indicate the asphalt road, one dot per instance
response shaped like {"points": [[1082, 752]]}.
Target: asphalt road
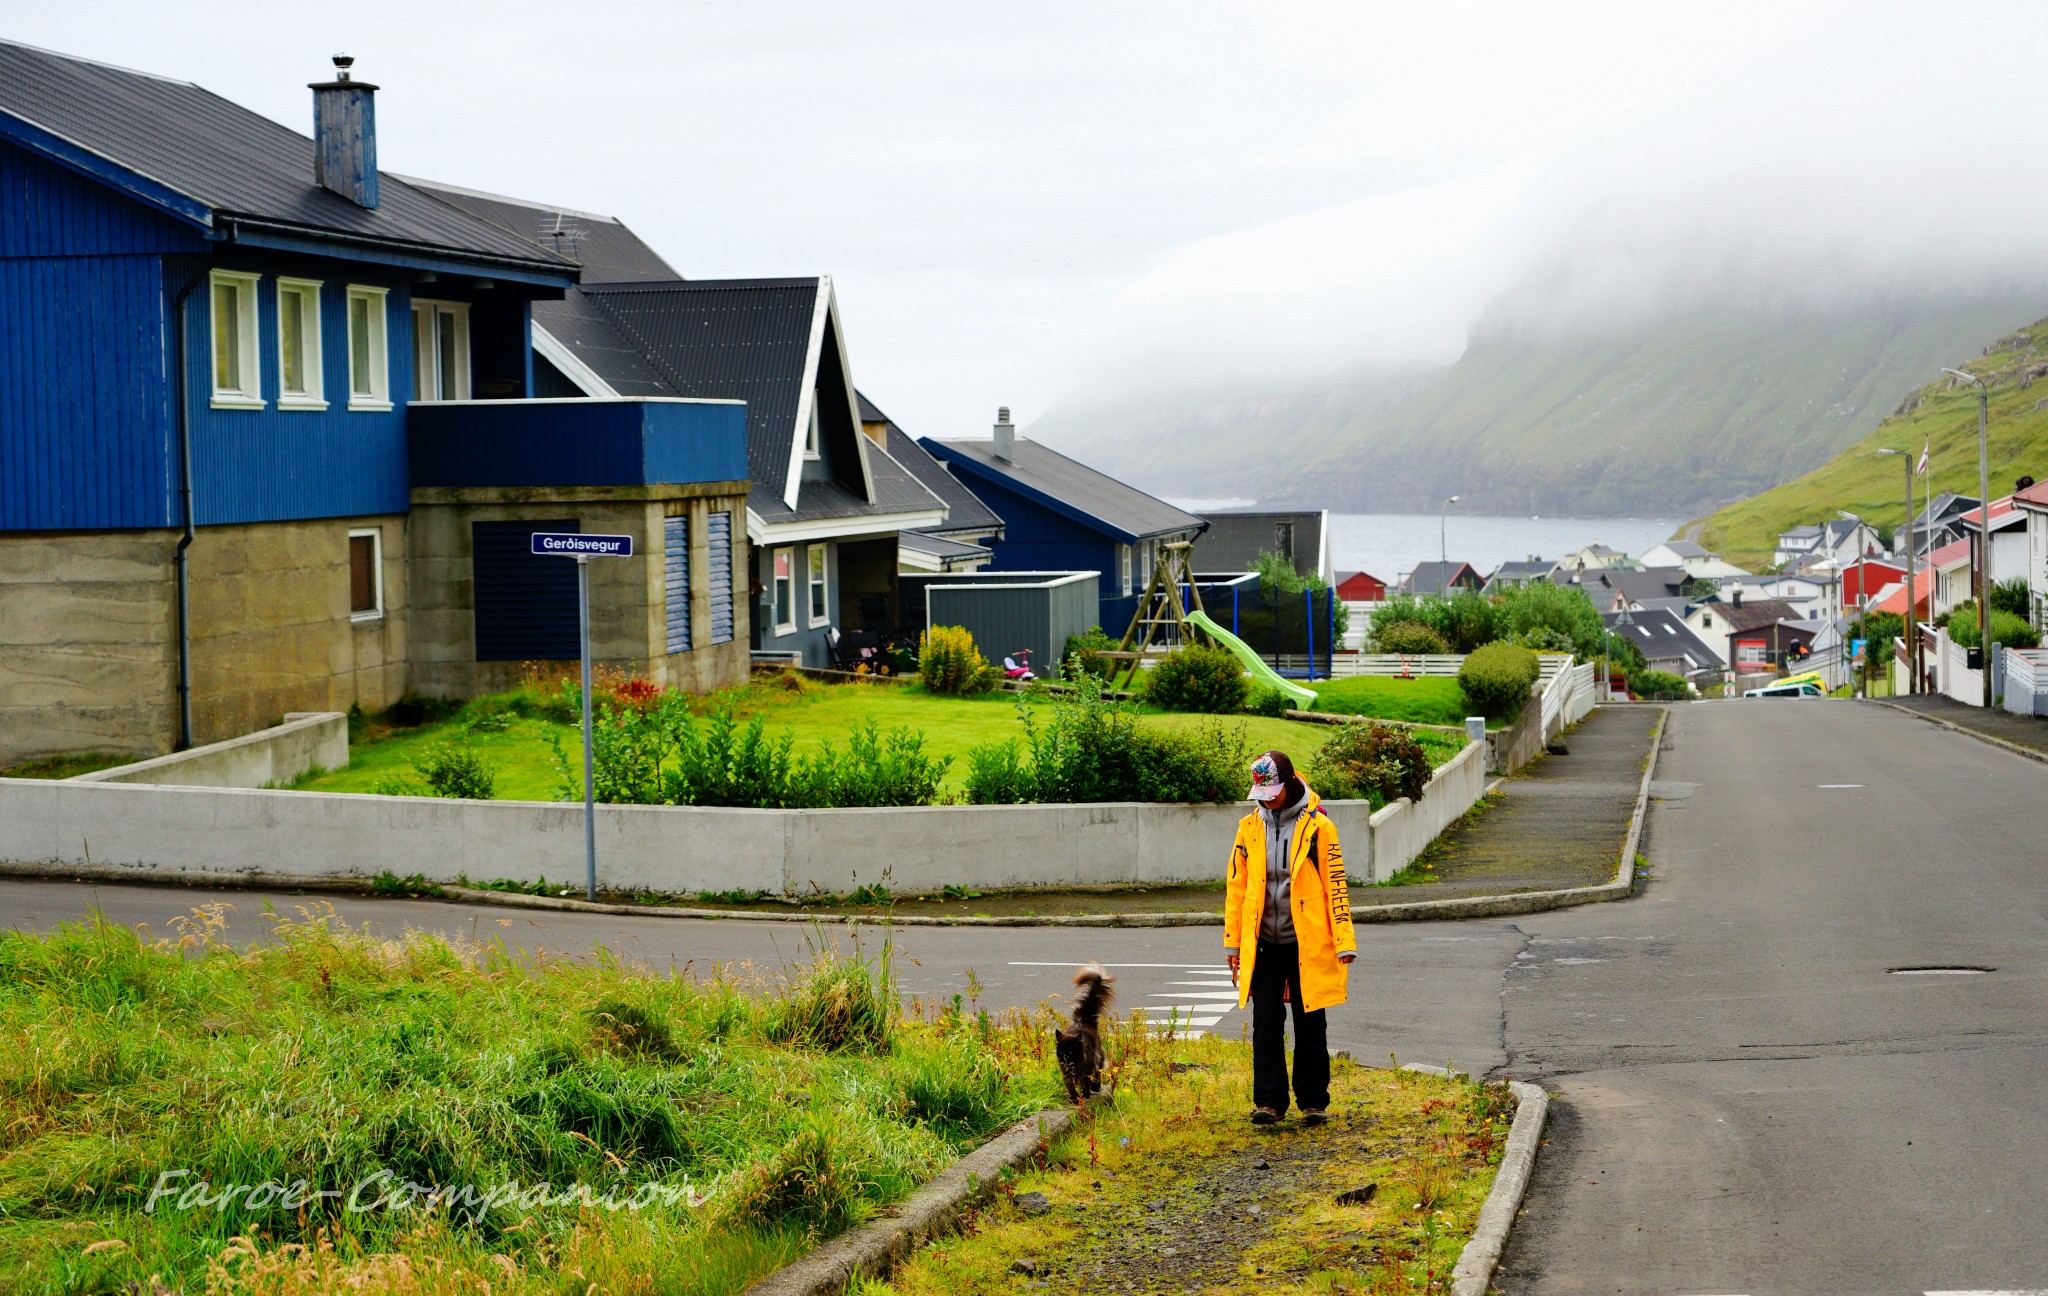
{"points": [[1748, 1100]]}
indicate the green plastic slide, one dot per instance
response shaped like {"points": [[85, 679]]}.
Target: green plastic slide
{"points": [[1304, 698]]}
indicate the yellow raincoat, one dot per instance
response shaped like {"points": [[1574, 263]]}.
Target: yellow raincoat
{"points": [[1322, 905]]}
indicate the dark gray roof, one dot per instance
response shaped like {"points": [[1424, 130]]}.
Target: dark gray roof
{"points": [[1661, 635], [1435, 577], [232, 160], [1532, 569], [1646, 583], [607, 250], [943, 548], [966, 515], [1674, 605], [578, 323], [1687, 549], [1751, 613], [1049, 475]]}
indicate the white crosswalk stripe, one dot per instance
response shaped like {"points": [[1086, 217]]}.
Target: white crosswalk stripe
{"points": [[1190, 1007]]}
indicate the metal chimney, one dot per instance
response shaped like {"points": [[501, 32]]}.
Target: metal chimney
{"points": [[1006, 435], [345, 135]]}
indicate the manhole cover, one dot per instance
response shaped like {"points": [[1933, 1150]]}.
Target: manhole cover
{"points": [[1942, 969]]}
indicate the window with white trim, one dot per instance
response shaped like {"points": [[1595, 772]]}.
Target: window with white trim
{"points": [[237, 372], [369, 360], [440, 350], [1123, 558], [365, 574], [784, 607], [298, 345], [811, 433], [814, 563]]}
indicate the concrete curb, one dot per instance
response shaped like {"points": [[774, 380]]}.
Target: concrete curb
{"points": [[1474, 1270], [1953, 727], [519, 900], [875, 1248]]}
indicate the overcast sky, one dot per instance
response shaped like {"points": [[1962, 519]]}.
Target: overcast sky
{"points": [[1028, 204]]}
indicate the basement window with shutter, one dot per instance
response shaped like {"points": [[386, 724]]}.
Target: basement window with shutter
{"points": [[369, 364], [675, 557], [365, 575], [298, 345], [237, 373]]}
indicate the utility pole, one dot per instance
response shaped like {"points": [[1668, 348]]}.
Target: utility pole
{"points": [[1983, 526], [1862, 603], [1443, 532]]}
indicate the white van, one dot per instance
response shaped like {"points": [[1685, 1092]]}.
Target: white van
{"points": [[1788, 688]]}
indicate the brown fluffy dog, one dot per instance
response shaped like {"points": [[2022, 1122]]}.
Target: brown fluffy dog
{"points": [[1078, 1045]]}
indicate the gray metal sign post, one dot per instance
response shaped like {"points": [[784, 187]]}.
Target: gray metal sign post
{"points": [[581, 547]]}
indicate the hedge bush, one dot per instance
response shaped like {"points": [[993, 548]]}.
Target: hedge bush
{"points": [[1083, 654], [1663, 684], [948, 662], [1200, 678], [2006, 628], [1373, 762], [1409, 637], [1497, 677], [1092, 749]]}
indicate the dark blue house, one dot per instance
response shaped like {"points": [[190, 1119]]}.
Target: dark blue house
{"points": [[271, 439], [1062, 515]]}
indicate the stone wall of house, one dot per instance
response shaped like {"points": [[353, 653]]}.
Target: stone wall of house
{"points": [[88, 634], [627, 596]]}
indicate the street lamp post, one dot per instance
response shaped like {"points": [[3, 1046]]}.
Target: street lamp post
{"points": [[1983, 526], [1443, 532], [1912, 604]]}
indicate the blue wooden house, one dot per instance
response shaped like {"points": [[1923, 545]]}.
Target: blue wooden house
{"points": [[272, 438], [1062, 515]]}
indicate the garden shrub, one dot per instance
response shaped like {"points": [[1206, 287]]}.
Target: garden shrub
{"points": [[1658, 684], [948, 662], [1198, 677], [2012, 596], [1091, 748], [997, 774], [1409, 637], [667, 755], [1497, 677], [1083, 653], [460, 771], [1269, 701], [1546, 615], [1471, 619], [2006, 628], [1374, 762]]}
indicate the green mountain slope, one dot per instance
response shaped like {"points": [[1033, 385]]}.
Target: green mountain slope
{"points": [[1943, 415], [1675, 414]]}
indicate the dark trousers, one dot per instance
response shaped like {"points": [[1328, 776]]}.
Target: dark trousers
{"points": [[1277, 966]]}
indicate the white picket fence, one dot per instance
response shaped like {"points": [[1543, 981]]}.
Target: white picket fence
{"points": [[2026, 681]]}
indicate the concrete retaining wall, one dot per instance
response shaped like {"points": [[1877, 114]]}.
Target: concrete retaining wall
{"points": [[275, 755], [225, 831], [1403, 829]]}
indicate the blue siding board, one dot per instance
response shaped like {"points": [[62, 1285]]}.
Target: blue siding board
{"points": [[273, 464], [577, 443]]}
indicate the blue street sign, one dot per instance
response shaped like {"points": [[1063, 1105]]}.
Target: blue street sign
{"points": [[576, 544]]}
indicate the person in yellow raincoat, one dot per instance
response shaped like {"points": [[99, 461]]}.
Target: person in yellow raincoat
{"points": [[1287, 936]]}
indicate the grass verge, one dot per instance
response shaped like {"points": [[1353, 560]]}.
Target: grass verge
{"points": [[64, 767], [746, 1113], [1171, 1190]]}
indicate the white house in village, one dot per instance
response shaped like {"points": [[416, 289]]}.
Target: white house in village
{"points": [[1815, 595], [1838, 539], [1699, 562], [1594, 557], [2032, 505]]}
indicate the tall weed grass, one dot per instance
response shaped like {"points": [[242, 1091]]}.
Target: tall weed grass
{"points": [[772, 1105]]}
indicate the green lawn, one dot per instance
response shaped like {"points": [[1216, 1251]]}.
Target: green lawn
{"points": [[822, 712], [1431, 700]]}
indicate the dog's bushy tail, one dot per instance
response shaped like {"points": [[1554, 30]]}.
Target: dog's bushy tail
{"points": [[1097, 990]]}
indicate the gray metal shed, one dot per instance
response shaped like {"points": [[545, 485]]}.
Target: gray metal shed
{"points": [[1008, 611]]}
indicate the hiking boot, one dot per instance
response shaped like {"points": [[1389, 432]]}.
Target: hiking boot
{"points": [[1264, 1116], [1314, 1116]]}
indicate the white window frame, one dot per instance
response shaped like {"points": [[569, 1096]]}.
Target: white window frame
{"points": [[314, 395], [379, 396], [376, 535], [811, 433], [1123, 557], [430, 337], [816, 594], [782, 589], [248, 354]]}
